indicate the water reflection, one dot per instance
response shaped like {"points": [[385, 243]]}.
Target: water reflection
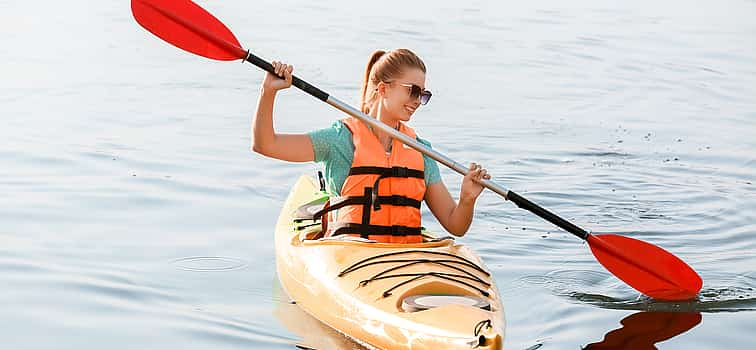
{"points": [[642, 330], [313, 333]]}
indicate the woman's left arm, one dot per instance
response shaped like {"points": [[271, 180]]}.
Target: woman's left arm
{"points": [[456, 217]]}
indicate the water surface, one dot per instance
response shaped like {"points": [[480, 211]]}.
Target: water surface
{"points": [[133, 214]]}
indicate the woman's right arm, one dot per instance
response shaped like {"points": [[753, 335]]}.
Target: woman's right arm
{"points": [[265, 140]]}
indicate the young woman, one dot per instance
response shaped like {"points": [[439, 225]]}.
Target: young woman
{"points": [[376, 183]]}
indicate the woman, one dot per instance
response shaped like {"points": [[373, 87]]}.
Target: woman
{"points": [[376, 183]]}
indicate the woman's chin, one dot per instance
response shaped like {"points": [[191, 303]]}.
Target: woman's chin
{"points": [[403, 116]]}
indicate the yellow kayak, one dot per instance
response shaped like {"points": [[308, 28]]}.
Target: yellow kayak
{"points": [[431, 295]]}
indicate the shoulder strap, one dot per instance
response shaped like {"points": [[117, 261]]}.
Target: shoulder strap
{"points": [[395, 200]]}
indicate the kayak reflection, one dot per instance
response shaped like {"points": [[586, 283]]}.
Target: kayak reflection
{"points": [[313, 333], [640, 331]]}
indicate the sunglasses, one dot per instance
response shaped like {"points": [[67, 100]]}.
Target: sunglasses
{"points": [[418, 92]]}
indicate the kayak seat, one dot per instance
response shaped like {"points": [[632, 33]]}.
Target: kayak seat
{"points": [[305, 222], [308, 211]]}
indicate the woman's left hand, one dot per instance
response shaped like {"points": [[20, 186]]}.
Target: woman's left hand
{"points": [[471, 187]]}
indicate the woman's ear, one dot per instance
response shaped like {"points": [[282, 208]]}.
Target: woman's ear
{"points": [[381, 89]]}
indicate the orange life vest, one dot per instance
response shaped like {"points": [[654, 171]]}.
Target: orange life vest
{"points": [[381, 196]]}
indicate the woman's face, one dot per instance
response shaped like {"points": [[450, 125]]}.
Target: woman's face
{"points": [[397, 101]]}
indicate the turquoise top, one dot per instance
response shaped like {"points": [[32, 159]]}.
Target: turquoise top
{"points": [[334, 148]]}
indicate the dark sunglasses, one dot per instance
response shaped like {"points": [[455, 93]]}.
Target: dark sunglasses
{"points": [[417, 92]]}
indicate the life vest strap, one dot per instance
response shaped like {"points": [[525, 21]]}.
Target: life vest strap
{"points": [[387, 172], [402, 172], [367, 230], [395, 200]]}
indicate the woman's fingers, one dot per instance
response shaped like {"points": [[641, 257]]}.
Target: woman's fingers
{"points": [[280, 68], [287, 77], [279, 77], [283, 71], [473, 170], [287, 74], [477, 172]]}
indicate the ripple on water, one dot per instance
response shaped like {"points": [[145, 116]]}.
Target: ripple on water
{"points": [[728, 293], [209, 263]]}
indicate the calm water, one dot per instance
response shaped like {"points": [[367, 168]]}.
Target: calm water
{"points": [[133, 216]]}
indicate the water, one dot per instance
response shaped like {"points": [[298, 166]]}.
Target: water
{"points": [[134, 216]]}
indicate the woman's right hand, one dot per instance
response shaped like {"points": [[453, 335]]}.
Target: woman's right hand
{"points": [[273, 82], [471, 187]]}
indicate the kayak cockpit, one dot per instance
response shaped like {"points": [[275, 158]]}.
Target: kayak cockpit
{"points": [[307, 229]]}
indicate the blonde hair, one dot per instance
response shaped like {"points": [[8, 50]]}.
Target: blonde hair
{"points": [[383, 67]]}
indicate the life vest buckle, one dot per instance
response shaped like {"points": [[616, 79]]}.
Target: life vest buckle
{"points": [[374, 198]]}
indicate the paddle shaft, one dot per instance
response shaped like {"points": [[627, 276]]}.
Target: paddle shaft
{"points": [[375, 123]]}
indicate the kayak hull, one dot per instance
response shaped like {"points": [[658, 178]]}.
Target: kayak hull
{"points": [[358, 288]]}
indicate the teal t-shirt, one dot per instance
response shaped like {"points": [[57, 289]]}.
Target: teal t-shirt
{"points": [[334, 148]]}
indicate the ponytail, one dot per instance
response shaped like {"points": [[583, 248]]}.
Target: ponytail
{"points": [[365, 82]]}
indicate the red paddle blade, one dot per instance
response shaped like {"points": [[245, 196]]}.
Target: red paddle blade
{"points": [[187, 26], [649, 269]]}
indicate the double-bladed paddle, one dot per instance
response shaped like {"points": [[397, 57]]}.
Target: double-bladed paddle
{"points": [[649, 269]]}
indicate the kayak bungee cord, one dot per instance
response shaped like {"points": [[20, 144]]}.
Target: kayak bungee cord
{"points": [[449, 276], [464, 261], [434, 274], [410, 262], [417, 276]]}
